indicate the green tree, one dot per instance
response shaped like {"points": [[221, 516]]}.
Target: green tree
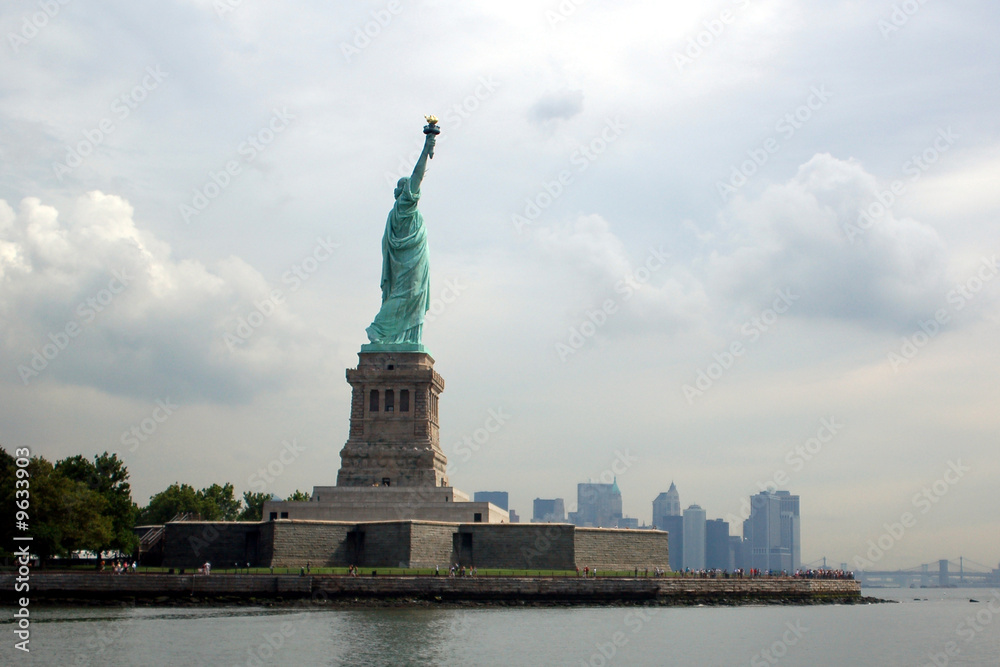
{"points": [[213, 503], [167, 504], [107, 476], [219, 503], [253, 509], [300, 496], [7, 490], [65, 514]]}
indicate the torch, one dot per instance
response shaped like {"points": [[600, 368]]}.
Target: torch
{"points": [[431, 128]]}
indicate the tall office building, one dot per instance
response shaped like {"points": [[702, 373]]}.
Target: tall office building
{"points": [[717, 550], [498, 498], [771, 534], [666, 504], [736, 549], [548, 510], [673, 501], [694, 538], [674, 525], [597, 505]]}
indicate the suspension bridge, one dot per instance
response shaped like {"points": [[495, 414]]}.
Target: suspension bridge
{"points": [[943, 573]]}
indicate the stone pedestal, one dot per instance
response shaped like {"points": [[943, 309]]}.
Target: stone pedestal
{"points": [[393, 439], [392, 467]]}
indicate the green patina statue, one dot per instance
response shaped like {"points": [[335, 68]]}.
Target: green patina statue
{"points": [[405, 265]]}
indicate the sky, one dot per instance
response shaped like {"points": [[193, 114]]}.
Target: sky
{"points": [[734, 245]]}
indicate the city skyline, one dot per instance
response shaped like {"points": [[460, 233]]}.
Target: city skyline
{"points": [[737, 530], [742, 246]]}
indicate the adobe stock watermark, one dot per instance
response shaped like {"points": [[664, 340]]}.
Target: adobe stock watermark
{"points": [[496, 419], [605, 652], [623, 461], [452, 119], [914, 168], [365, 34], [250, 149], [562, 11], [751, 330], [470, 444], [796, 458], [100, 641], [144, 430], [924, 500], [289, 452], [33, 24], [958, 298], [121, 108], [581, 159], [223, 7], [86, 311], [304, 269], [270, 644], [295, 277], [460, 624], [899, 17], [247, 325], [703, 39], [778, 649], [594, 319], [448, 295], [786, 127], [968, 629]]}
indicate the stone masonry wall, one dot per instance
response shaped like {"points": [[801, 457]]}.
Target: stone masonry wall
{"points": [[412, 544], [386, 544], [616, 549], [317, 543], [192, 543], [431, 544], [543, 546]]}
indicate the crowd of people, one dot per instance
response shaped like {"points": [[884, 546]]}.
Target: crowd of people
{"points": [[824, 574], [456, 570], [123, 566], [754, 573], [119, 566]]}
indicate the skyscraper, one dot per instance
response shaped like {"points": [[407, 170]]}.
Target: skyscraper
{"points": [[498, 498], [548, 510], [597, 505], [694, 538], [673, 501], [674, 525], [771, 533], [717, 549], [666, 504]]}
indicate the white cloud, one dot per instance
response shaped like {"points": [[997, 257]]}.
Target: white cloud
{"points": [[557, 105], [95, 300], [587, 263], [804, 235]]}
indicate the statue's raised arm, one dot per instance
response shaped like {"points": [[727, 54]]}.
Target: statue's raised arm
{"points": [[431, 130], [418, 169], [405, 265]]}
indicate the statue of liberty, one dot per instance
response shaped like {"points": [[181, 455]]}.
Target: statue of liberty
{"points": [[405, 265]]}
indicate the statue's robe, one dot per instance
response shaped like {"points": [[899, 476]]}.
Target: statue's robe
{"points": [[406, 281]]}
